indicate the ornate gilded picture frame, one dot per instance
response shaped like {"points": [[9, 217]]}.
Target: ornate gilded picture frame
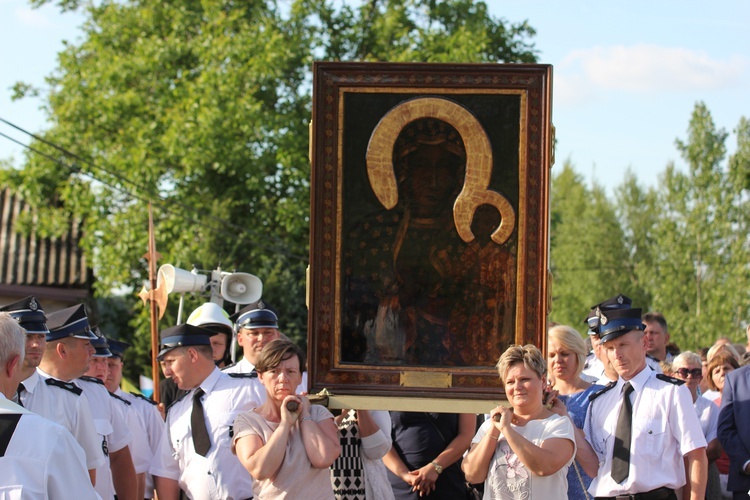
{"points": [[429, 225]]}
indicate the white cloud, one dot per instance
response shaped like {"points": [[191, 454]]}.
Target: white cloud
{"points": [[643, 68], [32, 18]]}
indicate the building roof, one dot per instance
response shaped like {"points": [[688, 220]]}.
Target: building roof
{"points": [[29, 263]]}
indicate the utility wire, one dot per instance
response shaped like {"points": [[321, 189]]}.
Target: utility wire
{"points": [[220, 226]]}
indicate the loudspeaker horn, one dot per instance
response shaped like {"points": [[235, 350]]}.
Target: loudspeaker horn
{"points": [[179, 280], [241, 288]]}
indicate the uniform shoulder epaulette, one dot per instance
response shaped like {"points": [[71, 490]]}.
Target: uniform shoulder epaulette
{"points": [[602, 391], [671, 380], [121, 399], [252, 374], [141, 396], [69, 386], [91, 379]]}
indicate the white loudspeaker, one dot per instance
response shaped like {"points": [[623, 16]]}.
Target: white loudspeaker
{"points": [[179, 280], [241, 288]]}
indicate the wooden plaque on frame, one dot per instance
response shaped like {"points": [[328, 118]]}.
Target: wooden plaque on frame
{"points": [[429, 225]]}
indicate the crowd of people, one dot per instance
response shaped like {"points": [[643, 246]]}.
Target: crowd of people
{"points": [[620, 414]]}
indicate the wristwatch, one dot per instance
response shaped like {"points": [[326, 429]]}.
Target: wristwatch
{"points": [[438, 467]]}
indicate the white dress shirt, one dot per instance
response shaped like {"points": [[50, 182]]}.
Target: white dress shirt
{"points": [[154, 426], [665, 427], [66, 408], [42, 461], [708, 415], [140, 449], [219, 475], [111, 427]]}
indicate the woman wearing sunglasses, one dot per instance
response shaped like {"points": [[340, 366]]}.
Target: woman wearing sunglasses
{"points": [[688, 366]]}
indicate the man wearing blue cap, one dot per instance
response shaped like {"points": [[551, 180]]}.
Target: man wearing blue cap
{"points": [[256, 328], [66, 358], [598, 369], [58, 401], [195, 454], [147, 408], [123, 425], [38, 458], [643, 427]]}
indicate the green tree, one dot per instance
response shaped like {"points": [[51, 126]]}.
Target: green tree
{"points": [[587, 249], [203, 107], [697, 244]]}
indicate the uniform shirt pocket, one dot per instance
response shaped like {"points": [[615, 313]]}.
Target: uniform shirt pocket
{"points": [[650, 437]]}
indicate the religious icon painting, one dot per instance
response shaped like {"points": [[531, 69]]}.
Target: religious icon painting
{"points": [[429, 225]]}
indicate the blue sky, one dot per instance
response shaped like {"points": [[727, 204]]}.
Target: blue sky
{"points": [[626, 75]]}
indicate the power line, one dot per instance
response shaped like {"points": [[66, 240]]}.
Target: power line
{"points": [[219, 225]]}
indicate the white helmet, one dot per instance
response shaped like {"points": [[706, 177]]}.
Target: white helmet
{"points": [[210, 314]]}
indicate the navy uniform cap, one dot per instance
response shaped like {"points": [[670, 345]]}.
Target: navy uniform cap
{"points": [[183, 336], [117, 347], [614, 323], [70, 322], [260, 304], [29, 314], [258, 318], [101, 345], [619, 301]]}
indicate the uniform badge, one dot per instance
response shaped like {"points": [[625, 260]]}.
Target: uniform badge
{"points": [[603, 319], [261, 304], [620, 299], [33, 305]]}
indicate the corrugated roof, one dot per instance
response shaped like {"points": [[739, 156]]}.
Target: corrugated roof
{"points": [[34, 261]]}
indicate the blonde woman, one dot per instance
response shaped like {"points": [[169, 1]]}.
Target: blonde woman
{"points": [[566, 352], [523, 451]]}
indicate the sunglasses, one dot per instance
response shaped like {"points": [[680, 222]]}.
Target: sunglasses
{"points": [[684, 372]]}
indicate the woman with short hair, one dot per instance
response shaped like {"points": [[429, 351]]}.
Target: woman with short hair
{"points": [[523, 451], [286, 444]]}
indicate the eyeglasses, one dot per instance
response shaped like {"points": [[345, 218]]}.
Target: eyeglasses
{"points": [[684, 372]]}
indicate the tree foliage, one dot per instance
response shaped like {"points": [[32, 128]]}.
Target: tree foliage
{"points": [[588, 253], [680, 247], [203, 107]]}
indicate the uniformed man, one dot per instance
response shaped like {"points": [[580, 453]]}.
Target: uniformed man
{"points": [[66, 358], [93, 385], [58, 401], [38, 458], [597, 368], [195, 452], [642, 428], [150, 416], [255, 329]]}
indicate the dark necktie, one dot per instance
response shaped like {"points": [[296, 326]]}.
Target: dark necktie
{"points": [[623, 431], [201, 441], [18, 393]]}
